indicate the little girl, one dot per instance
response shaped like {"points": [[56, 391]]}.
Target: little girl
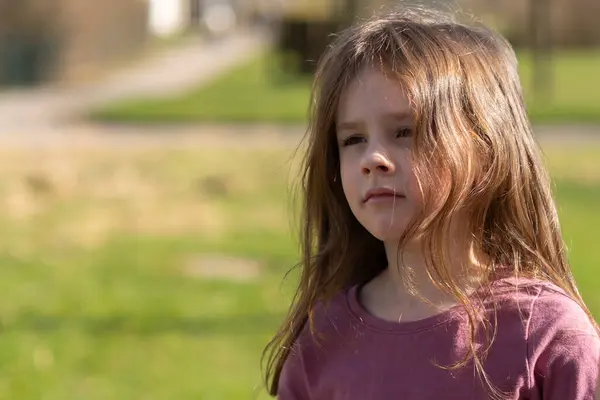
{"points": [[433, 262]]}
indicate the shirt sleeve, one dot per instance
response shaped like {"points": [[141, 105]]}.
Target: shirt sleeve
{"points": [[564, 349], [293, 381]]}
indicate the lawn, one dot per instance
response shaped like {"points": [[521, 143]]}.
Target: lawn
{"points": [[157, 274], [253, 92]]}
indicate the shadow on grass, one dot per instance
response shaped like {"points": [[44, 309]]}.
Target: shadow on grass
{"points": [[146, 325]]}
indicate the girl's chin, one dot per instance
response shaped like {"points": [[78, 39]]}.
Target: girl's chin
{"points": [[392, 235], [387, 235]]}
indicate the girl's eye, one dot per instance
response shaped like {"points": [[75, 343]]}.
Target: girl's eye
{"points": [[403, 132], [352, 140]]}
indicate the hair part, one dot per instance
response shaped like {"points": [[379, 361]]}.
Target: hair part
{"points": [[469, 110]]}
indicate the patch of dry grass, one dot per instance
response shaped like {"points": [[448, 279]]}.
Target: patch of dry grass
{"points": [[82, 197], [579, 164]]}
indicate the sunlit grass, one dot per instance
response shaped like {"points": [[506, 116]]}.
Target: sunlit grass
{"points": [[106, 285]]}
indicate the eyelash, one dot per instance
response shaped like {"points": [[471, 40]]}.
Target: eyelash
{"points": [[400, 133], [350, 141], [407, 132]]}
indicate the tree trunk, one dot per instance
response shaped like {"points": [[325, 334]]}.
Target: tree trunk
{"points": [[541, 46]]}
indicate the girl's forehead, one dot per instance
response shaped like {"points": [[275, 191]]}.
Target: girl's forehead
{"points": [[373, 93]]}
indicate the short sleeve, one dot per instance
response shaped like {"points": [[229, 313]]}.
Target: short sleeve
{"points": [[564, 348]]}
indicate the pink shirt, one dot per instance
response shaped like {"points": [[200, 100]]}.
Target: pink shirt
{"points": [[545, 348]]}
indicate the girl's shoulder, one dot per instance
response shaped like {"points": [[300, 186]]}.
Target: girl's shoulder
{"points": [[559, 339], [329, 318], [531, 292], [331, 311], [545, 309]]}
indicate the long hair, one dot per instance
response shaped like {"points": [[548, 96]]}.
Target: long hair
{"points": [[471, 123]]}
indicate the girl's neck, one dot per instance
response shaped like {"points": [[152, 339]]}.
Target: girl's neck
{"points": [[388, 296]]}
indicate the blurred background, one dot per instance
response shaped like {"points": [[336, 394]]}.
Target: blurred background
{"points": [[146, 156]]}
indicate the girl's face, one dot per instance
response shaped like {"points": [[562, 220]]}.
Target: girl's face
{"points": [[375, 137]]}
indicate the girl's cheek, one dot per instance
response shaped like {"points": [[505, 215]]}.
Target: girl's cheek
{"points": [[415, 192]]}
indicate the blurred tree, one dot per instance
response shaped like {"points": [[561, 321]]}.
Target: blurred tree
{"points": [[304, 32], [306, 26], [541, 46]]}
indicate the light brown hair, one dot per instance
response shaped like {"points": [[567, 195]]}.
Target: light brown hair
{"points": [[471, 122]]}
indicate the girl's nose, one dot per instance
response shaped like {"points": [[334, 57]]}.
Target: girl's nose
{"points": [[377, 161]]}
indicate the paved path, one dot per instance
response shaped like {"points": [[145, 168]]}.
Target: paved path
{"points": [[40, 112]]}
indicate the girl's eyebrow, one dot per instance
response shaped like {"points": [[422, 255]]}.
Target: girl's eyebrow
{"points": [[399, 116], [349, 125]]}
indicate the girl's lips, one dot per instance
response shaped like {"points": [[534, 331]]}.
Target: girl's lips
{"points": [[383, 198], [381, 194]]}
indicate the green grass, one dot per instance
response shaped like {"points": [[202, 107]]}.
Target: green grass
{"points": [[98, 303], [254, 93], [101, 298], [577, 202], [574, 95], [246, 94]]}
